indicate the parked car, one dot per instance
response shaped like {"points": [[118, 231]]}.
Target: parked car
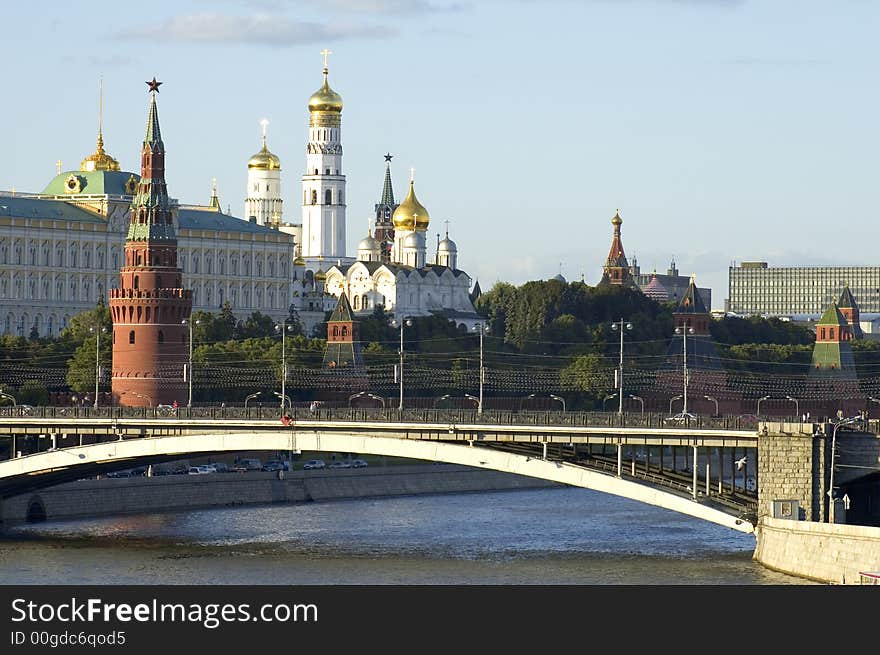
{"points": [[196, 470], [273, 465], [314, 464], [358, 464], [339, 465], [251, 463], [208, 468], [220, 467]]}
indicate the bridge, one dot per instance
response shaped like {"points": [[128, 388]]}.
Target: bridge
{"points": [[702, 468]]}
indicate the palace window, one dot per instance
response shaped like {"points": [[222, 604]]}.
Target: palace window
{"points": [[131, 337]]}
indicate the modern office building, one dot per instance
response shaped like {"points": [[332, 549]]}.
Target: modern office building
{"points": [[755, 288]]}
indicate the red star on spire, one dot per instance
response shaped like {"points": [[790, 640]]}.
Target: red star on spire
{"points": [[154, 85]]}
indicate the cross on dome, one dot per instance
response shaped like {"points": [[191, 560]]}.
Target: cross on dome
{"points": [[326, 53]]}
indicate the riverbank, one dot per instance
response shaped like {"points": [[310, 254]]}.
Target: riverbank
{"points": [[109, 496]]}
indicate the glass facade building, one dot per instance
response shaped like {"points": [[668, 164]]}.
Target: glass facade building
{"points": [[754, 288]]}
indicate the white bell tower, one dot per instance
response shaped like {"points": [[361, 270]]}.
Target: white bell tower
{"points": [[323, 185], [263, 200]]}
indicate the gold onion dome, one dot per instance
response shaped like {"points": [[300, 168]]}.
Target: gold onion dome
{"points": [[264, 160], [411, 214], [617, 220], [325, 98], [320, 275], [99, 160]]}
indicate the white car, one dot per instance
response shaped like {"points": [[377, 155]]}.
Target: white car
{"points": [[196, 470], [358, 464], [314, 464]]}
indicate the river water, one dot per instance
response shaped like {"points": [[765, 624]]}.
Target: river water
{"points": [[546, 536]]}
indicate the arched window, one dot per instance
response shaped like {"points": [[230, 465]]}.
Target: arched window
{"points": [[344, 331], [315, 194], [137, 282], [335, 331], [328, 197], [131, 336]]}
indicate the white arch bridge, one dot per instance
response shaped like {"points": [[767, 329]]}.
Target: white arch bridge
{"points": [[699, 479]]}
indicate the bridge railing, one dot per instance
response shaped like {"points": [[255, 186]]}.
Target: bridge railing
{"points": [[414, 415]]}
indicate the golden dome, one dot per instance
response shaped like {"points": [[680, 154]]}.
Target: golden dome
{"points": [[403, 218], [99, 160], [325, 98], [320, 275], [617, 220], [264, 160], [299, 261]]}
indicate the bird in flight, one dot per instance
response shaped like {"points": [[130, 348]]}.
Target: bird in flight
{"points": [[740, 463]]}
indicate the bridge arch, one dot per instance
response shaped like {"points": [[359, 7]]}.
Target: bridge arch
{"points": [[48, 468]]}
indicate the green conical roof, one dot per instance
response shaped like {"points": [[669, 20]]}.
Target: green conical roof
{"points": [[387, 189], [691, 302], [846, 299], [832, 316], [343, 312]]}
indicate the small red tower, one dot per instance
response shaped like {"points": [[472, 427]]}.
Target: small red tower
{"points": [[616, 270], [150, 346]]}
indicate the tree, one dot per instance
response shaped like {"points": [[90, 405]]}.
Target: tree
{"points": [[81, 334], [33, 392], [589, 374], [256, 326]]}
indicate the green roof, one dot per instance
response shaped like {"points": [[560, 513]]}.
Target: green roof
{"points": [[99, 183], [846, 299], [691, 302], [42, 208], [835, 359], [832, 316], [193, 217], [343, 312]]}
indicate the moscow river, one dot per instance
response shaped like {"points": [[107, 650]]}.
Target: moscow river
{"points": [[546, 536]]}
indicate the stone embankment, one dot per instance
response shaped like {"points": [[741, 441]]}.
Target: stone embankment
{"points": [[104, 497]]}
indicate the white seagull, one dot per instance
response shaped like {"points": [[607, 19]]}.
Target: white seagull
{"points": [[740, 463]]}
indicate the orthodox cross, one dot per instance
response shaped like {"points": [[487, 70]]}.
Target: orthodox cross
{"points": [[326, 53], [58, 166]]}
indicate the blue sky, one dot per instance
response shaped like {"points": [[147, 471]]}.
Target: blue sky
{"points": [[723, 130]]}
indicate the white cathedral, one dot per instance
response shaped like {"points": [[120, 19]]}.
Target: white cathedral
{"points": [[392, 268]]}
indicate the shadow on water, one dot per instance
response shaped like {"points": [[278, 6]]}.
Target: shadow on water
{"points": [[546, 536]]}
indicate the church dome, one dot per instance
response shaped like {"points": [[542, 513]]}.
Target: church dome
{"points": [[325, 98], [264, 160], [368, 243], [447, 245], [558, 277], [655, 290], [320, 275], [99, 160], [411, 214], [411, 241]]}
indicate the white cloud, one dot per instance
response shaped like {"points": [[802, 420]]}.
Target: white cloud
{"points": [[259, 28]]}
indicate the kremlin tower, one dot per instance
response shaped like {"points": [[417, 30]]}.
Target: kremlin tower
{"points": [[150, 348], [616, 270], [384, 211]]}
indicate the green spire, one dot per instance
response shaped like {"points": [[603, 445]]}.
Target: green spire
{"points": [[387, 190], [153, 137], [343, 312], [691, 302], [847, 301]]}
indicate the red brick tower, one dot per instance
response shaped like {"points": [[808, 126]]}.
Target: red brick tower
{"points": [[150, 345], [616, 269]]}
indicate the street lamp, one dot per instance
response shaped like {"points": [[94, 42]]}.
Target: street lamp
{"points": [[559, 399], [408, 323], [760, 400], [3, 394], [97, 330], [684, 330], [843, 421], [283, 328], [361, 394], [796, 405], [672, 400], [714, 400], [642, 401], [607, 398], [252, 396], [189, 370], [623, 327], [283, 399], [481, 328], [476, 400]]}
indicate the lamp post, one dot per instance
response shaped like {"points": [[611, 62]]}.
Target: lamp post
{"points": [[559, 399], [714, 400], [642, 401], [481, 328], [189, 370], [672, 400], [622, 327], [284, 399], [3, 394], [476, 400], [400, 323], [250, 397], [683, 330], [283, 328], [97, 330], [760, 400], [844, 421], [796, 405], [606, 399]]}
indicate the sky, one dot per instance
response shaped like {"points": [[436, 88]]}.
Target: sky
{"points": [[723, 130]]}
